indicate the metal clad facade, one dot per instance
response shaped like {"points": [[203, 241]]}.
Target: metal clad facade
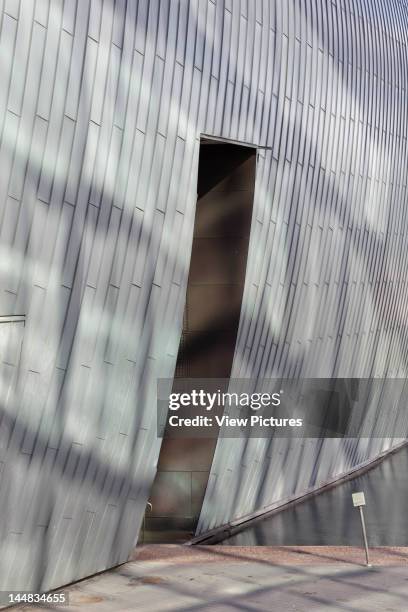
{"points": [[101, 108]]}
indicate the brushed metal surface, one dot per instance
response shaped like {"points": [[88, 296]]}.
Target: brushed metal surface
{"points": [[101, 108]]}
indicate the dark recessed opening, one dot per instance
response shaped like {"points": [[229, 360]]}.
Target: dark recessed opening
{"points": [[225, 188]]}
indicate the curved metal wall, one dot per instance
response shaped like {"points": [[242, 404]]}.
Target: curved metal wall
{"points": [[326, 294], [101, 108]]}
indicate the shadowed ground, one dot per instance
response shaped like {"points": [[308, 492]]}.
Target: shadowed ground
{"points": [[176, 577]]}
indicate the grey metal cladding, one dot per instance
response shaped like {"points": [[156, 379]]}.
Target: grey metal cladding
{"points": [[101, 108]]}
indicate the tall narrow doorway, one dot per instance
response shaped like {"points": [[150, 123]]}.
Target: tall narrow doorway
{"points": [[225, 188]]}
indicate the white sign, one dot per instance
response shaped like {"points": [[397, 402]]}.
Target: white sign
{"points": [[358, 499]]}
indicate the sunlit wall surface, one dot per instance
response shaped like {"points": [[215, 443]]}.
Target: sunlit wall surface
{"points": [[101, 107]]}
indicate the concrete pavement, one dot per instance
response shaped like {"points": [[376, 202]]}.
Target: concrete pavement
{"points": [[221, 578]]}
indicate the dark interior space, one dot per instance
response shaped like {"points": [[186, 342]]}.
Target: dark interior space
{"points": [[225, 188]]}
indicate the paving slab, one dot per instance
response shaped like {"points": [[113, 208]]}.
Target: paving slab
{"points": [[182, 578]]}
